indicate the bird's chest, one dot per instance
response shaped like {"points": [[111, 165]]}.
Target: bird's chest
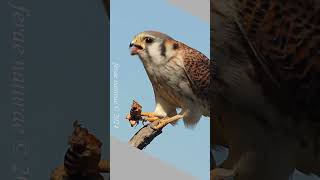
{"points": [[167, 81]]}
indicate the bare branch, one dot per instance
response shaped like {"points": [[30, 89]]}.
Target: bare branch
{"points": [[145, 135]]}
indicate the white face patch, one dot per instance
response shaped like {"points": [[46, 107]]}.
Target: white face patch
{"points": [[154, 51], [170, 52]]}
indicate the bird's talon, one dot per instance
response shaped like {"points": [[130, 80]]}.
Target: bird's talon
{"points": [[160, 125], [163, 122]]}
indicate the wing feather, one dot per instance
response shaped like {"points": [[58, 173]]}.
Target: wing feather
{"points": [[197, 69]]}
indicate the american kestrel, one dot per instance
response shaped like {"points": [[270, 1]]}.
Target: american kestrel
{"points": [[267, 85], [179, 75]]}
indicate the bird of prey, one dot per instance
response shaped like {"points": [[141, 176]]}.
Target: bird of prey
{"points": [[266, 95], [179, 75]]}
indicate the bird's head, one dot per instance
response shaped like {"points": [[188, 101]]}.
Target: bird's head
{"points": [[153, 45]]}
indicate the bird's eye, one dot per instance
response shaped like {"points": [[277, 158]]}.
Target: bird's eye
{"points": [[148, 40]]}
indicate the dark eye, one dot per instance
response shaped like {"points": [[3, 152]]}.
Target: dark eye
{"points": [[148, 40]]}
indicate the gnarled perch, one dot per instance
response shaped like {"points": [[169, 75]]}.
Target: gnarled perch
{"points": [[147, 133]]}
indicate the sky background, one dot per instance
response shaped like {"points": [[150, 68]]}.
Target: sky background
{"points": [[186, 149]]}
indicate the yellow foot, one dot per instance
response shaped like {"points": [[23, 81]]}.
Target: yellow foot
{"points": [[164, 122], [149, 116], [151, 119]]}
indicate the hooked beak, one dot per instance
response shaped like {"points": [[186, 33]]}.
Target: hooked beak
{"points": [[135, 48]]}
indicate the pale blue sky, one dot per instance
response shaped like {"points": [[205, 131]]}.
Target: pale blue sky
{"points": [[187, 149]]}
